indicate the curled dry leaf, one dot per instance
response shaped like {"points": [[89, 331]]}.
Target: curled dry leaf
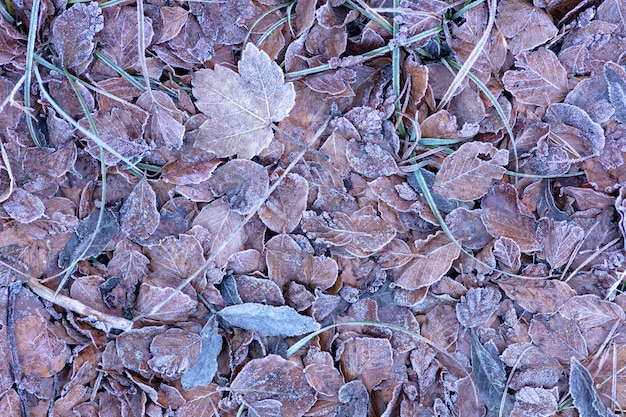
{"points": [[139, 217], [433, 258], [283, 209], [73, 32], [468, 173], [277, 379], [477, 305], [542, 80], [174, 352], [241, 107], [243, 183]]}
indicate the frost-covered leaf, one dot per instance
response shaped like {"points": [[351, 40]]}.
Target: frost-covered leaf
{"points": [[241, 107], [355, 399], [274, 378], [433, 258], [525, 25], [477, 305], [542, 80], [561, 242], [537, 295], [581, 386], [40, 351], [591, 134], [174, 352], [489, 375], [73, 32], [176, 309], [23, 206], [179, 257], [504, 215], [508, 254], [81, 245], [120, 35], [121, 130], [225, 228], [166, 121], [616, 81], [139, 217], [468, 173], [243, 183], [283, 209], [368, 359], [268, 320], [538, 402]]}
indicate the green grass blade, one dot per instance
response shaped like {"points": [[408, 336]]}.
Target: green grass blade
{"points": [[30, 51], [372, 15], [120, 71], [263, 16]]}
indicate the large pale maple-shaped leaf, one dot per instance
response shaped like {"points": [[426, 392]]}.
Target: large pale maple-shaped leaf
{"points": [[241, 106], [468, 173]]}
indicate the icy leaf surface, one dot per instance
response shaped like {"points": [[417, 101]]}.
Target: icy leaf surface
{"points": [[23, 206], [283, 209], [174, 352], [582, 388], [616, 81], [241, 106], [433, 258], [488, 372], [268, 320], [477, 305], [368, 359], [139, 215], [225, 228], [202, 372], [243, 183], [537, 295], [277, 379], [541, 80], [175, 309], [468, 173], [73, 32], [525, 25]]}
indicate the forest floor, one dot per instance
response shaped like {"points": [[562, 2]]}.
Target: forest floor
{"points": [[345, 208]]}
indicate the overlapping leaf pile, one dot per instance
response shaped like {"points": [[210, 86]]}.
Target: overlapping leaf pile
{"points": [[487, 221]]}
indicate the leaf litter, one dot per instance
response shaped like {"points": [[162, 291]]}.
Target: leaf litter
{"points": [[315, 223]]}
